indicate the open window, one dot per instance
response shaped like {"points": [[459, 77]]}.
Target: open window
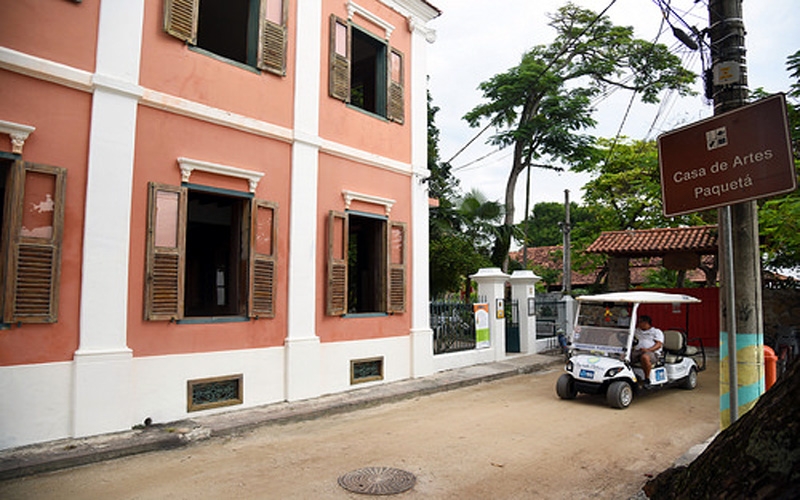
{"points": [[209, 254], [33, 219], [366, 264], [251, 32], [365, 71]]}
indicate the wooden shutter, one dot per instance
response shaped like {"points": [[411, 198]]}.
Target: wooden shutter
{"points": [[35, 218], [272, 40], [339, 78], [180, 19], [337, 264], [396, 254], [166, 252], [396, 97], [263, 262]]}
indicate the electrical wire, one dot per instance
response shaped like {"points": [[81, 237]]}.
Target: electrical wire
{"points": [[566, 47], [667, 101]]}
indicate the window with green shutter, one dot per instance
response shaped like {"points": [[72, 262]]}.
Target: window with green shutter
{"points": [[250, 32], [365, 71]]}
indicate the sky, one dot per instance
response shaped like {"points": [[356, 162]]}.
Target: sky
{"points": [[474, 43]]}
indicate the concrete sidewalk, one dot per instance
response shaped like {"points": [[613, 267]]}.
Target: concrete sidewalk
{"points": [[64, 453]]}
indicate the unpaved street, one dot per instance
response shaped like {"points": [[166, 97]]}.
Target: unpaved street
{"points": [[507, 439]]}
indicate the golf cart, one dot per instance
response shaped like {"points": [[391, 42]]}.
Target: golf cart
{"points": [[602, 343]]}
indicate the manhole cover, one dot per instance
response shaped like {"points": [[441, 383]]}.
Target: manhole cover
{"points": [[377, 481]]}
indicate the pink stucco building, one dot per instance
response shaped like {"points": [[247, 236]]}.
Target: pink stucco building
{"points": [[208, 205]]}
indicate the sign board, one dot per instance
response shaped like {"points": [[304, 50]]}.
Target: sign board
{"points": [[482, 339], [738, 156]]}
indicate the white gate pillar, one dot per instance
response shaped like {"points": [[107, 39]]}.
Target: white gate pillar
{"points": [[491, 288], [523, 290]]}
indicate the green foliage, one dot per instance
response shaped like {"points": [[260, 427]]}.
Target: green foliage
{"points": [[779, 225], [665, 278], [543, 226], [625, 192], [463, 228], [452, 260], [793, 64], [542, 106], [550, 276], [779, 218]]}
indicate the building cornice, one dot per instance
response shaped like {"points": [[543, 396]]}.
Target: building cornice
{"points": [[413, 8], [67, 76]]}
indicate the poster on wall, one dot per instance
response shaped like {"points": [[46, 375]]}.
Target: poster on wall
{"points": [[481, 326]]}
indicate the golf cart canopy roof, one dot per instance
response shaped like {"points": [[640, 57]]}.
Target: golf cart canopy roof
{"points": [[640, 297]]}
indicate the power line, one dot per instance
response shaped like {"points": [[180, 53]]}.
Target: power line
{"points": [[566, 47], [462, 167]]}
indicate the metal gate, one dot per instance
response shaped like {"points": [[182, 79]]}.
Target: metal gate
{"points": [[453, 325], [512, 326], [550, 320]]}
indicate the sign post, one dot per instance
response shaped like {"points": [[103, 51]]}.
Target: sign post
{"points": [[737, 156]]}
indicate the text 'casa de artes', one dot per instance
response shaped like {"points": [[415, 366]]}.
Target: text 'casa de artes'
{"points": [[738, 156]]}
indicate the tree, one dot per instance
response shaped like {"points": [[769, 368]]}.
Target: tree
{"points": [[625, 193], [460, 227], [540, 106], [626, 188], [462, 244], [543, 228], [779, 218]]}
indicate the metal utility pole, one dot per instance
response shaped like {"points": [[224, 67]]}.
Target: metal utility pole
{"points": [[525, 225], [566, 228], [741, 325]]}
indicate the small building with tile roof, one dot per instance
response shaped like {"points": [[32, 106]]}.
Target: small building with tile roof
{"points": [[684, 249], [633, 254]]}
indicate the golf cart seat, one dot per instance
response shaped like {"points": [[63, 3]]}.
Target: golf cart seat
{"points": [[675, 346]]}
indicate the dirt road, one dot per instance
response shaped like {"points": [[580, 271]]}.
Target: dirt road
{"points": [[510, 439]]}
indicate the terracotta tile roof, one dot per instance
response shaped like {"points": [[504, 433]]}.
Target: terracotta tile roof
{"points": [[552, 258], [654, 242]]}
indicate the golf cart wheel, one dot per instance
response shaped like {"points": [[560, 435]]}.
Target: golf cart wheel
{"points": [[565, 387], [690, 382], [619, 395]]}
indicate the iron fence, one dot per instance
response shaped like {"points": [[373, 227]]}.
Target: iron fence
{"points": [[453, 325]]}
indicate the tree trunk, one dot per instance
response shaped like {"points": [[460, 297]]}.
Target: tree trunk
{"points": [[758, 456]]}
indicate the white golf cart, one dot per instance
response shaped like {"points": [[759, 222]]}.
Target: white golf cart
{"points": [[602, 343]]}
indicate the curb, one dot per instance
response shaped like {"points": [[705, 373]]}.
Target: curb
{"points": [[72, 452]]}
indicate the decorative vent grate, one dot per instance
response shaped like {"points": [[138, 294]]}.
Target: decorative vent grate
{"points": [[215, 392], [366, 370]]}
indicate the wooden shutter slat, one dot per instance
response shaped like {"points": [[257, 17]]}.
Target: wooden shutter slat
{"points": [[34, 283], [397, 270], [272, 43], [337, 265], [180, 19], [396, 97], [396, 103], [339, 78], [263, 266], [164, 271], [165, 285], [33, 266], [264, 287]]}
